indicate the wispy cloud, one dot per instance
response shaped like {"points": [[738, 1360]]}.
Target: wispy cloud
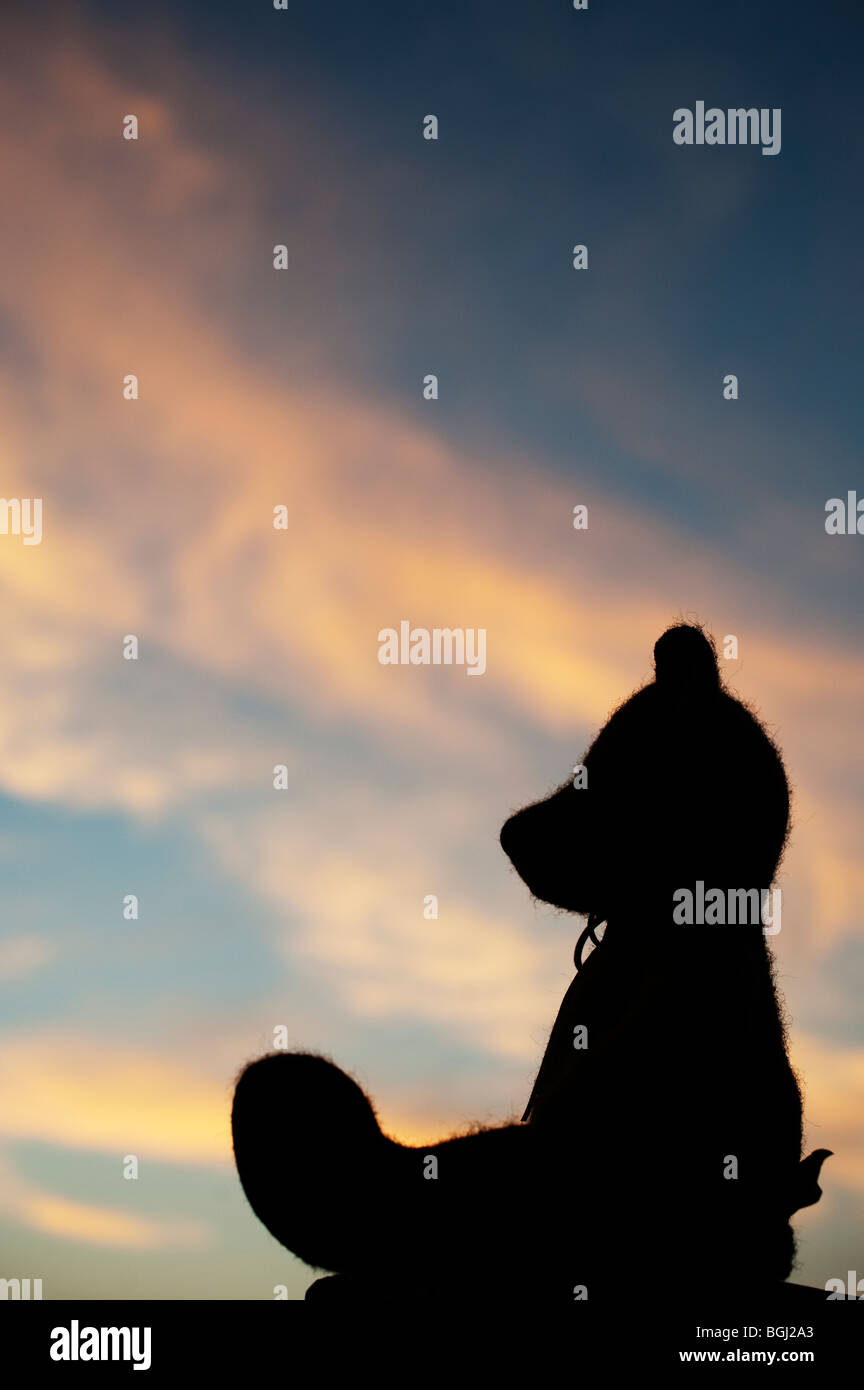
{"points": [[260, 646], [23, 955], [89, 1093], [23, 1203]]}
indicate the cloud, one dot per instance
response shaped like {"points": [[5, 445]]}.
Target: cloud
{"points": [[388, 520], [356, 913], [23, 955], [259, 646], [99, 1094], [49, 1213], [182, 550], [833, 1083], [57, 1216]]}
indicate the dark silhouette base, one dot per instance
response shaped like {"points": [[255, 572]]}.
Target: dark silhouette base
{"points": [[787, 1299]]}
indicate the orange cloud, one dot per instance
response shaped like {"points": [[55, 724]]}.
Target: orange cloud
{"points": [[101, 1095], [25, 1204], [834, 1106], [158, 520], [22, 955], [57, 1216], [386, 520]]}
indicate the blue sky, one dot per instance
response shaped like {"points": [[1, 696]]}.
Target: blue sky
{"points": [[304, 908]]}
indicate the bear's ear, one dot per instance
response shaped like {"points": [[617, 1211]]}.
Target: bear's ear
{"points": [[685, 661], [546, 844]]}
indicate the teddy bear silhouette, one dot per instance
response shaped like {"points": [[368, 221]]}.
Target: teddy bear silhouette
{"points": [[661, 1145]]}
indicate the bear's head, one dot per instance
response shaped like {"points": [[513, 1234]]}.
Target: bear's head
{"points": [[682, 784]]}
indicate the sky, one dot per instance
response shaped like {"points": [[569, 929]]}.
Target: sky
{"points": [[302, 908]]}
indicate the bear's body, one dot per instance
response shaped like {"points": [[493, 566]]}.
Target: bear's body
{"points": [[665, 1149]]}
